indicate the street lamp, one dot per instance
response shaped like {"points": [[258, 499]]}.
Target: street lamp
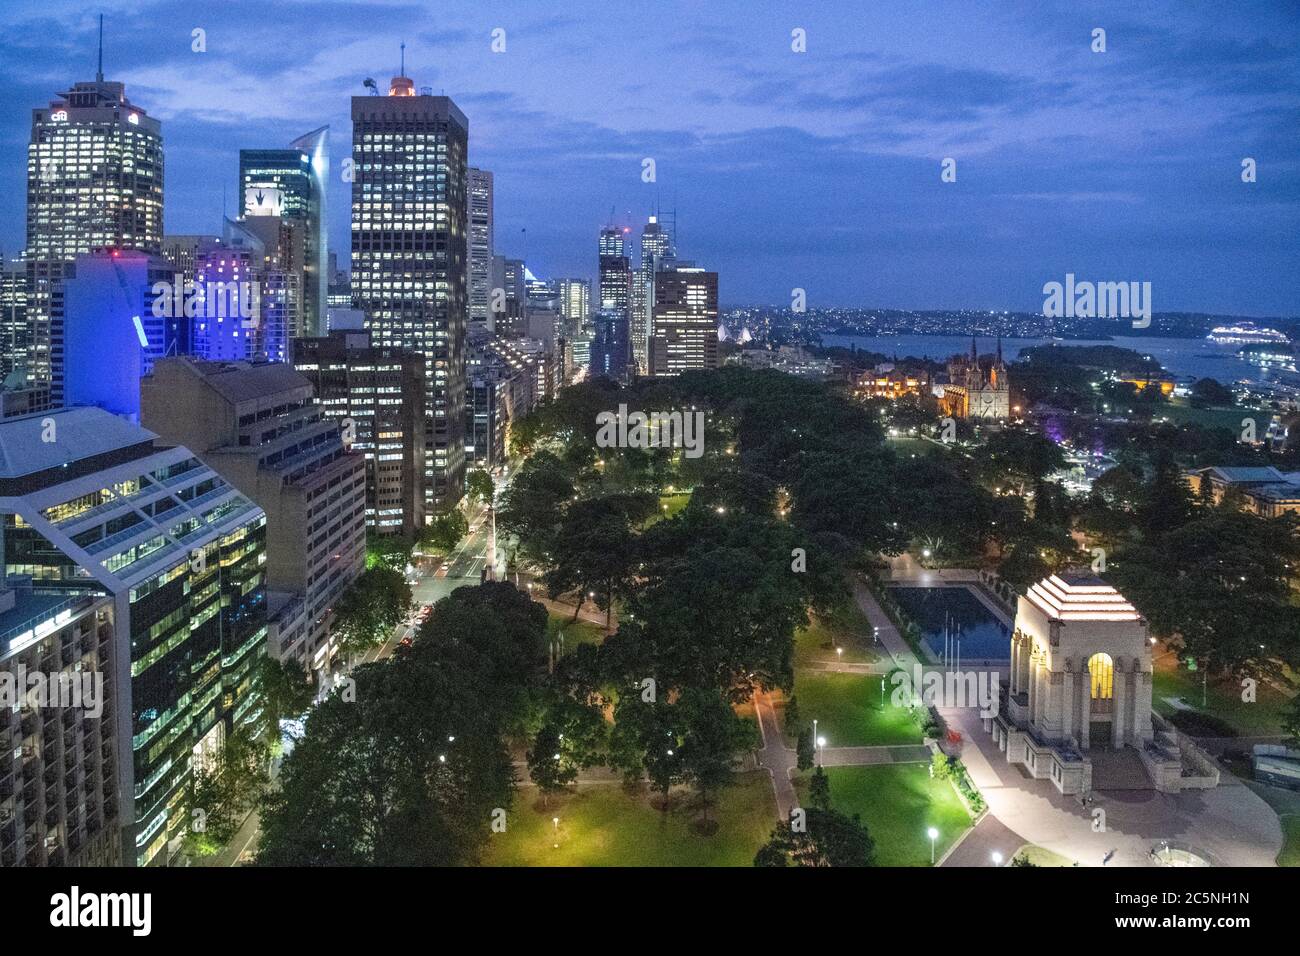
{"points": [[933, 834], [821, 746], [997, 858], [839, 653]]}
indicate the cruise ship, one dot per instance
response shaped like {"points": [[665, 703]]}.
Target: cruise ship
{"points": [[1246, 333]]}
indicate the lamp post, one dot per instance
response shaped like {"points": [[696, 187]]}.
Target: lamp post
{"points": [[997, 858], [821, 745], [933, 834]]}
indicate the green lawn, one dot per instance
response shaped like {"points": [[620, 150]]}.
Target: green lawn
{"points": [[604, 825], [1039, 857], [847, 627], [898, 803], [1223, 699], [1290, 855], [848, 711], [575, 632]]}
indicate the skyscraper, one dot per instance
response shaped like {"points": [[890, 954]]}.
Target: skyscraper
{"points": [[685, 330], [94, 181], [410, 255], [656, 249], [611, 349], [13, 319], [480, 246], [283, 202]]}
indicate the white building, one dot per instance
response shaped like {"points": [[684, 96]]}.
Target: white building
{"points": [[1080, 680]]}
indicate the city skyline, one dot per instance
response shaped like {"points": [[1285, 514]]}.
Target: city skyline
{"points": [[840, 145]]}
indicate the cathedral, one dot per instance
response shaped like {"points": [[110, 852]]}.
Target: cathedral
{"points": [[972, 392]]}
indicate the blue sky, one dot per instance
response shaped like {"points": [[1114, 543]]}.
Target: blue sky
{"points": [[818, 170]]}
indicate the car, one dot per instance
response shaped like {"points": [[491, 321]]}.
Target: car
{"points": [[405, 642]]}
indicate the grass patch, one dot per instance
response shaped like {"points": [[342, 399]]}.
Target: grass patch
{"points": [[1290, 855], [605, 825], [1039, 856], [846, 627], [848, 710], [575, 632], [1224, 707], [898, 803]]}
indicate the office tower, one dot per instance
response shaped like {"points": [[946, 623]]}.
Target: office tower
{"points": [[94, 181], [575, 302], [71, 817], [179, 552], [615, 273], [244, 298], [410, 256], [480, 246], [503, 386], [656, 250], [111, 317], [180, 252], [283, 202], [259, 426], [13, 322], [685, 332], [611, 352], [379, 392]]}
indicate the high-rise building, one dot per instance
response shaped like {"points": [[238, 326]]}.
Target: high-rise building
{"points": [[656, 251], [259, 426], [685, 330], [377, 392], [13, 321], [615, 273], [63, 639], [575, 302], [107, 327], [610, 349], [181, 251], [180, 554], [283, 203], [481, 240], [410, 256], [94, 181]]}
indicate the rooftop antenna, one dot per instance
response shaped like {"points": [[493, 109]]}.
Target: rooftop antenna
{"points": [[403, 73], [99, 73]]}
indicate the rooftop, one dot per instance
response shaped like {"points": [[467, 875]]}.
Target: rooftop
{"points": [[1079, 596], [42, 440]]}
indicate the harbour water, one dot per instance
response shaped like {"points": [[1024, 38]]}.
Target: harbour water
{"points": [[1183, 358]]}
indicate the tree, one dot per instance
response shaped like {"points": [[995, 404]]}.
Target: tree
{"points": [[479, 485], [1208, 391], [286, 689], [829, 838], [568, 741], [596, 548], [713, 736], [533, 507], [445, 531], [819, 790], [224, 789], [369, 609], [646, 740], [409, 769], [804, 747]]}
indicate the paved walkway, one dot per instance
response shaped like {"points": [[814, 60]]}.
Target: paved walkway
{"points": [[778, 759]]}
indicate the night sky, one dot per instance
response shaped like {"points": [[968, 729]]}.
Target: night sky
{"points": [[819, 170]]}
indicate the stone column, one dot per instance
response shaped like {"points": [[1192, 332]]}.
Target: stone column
{"points": [[1015, 662], [1069, 700], [1119, 704]]}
